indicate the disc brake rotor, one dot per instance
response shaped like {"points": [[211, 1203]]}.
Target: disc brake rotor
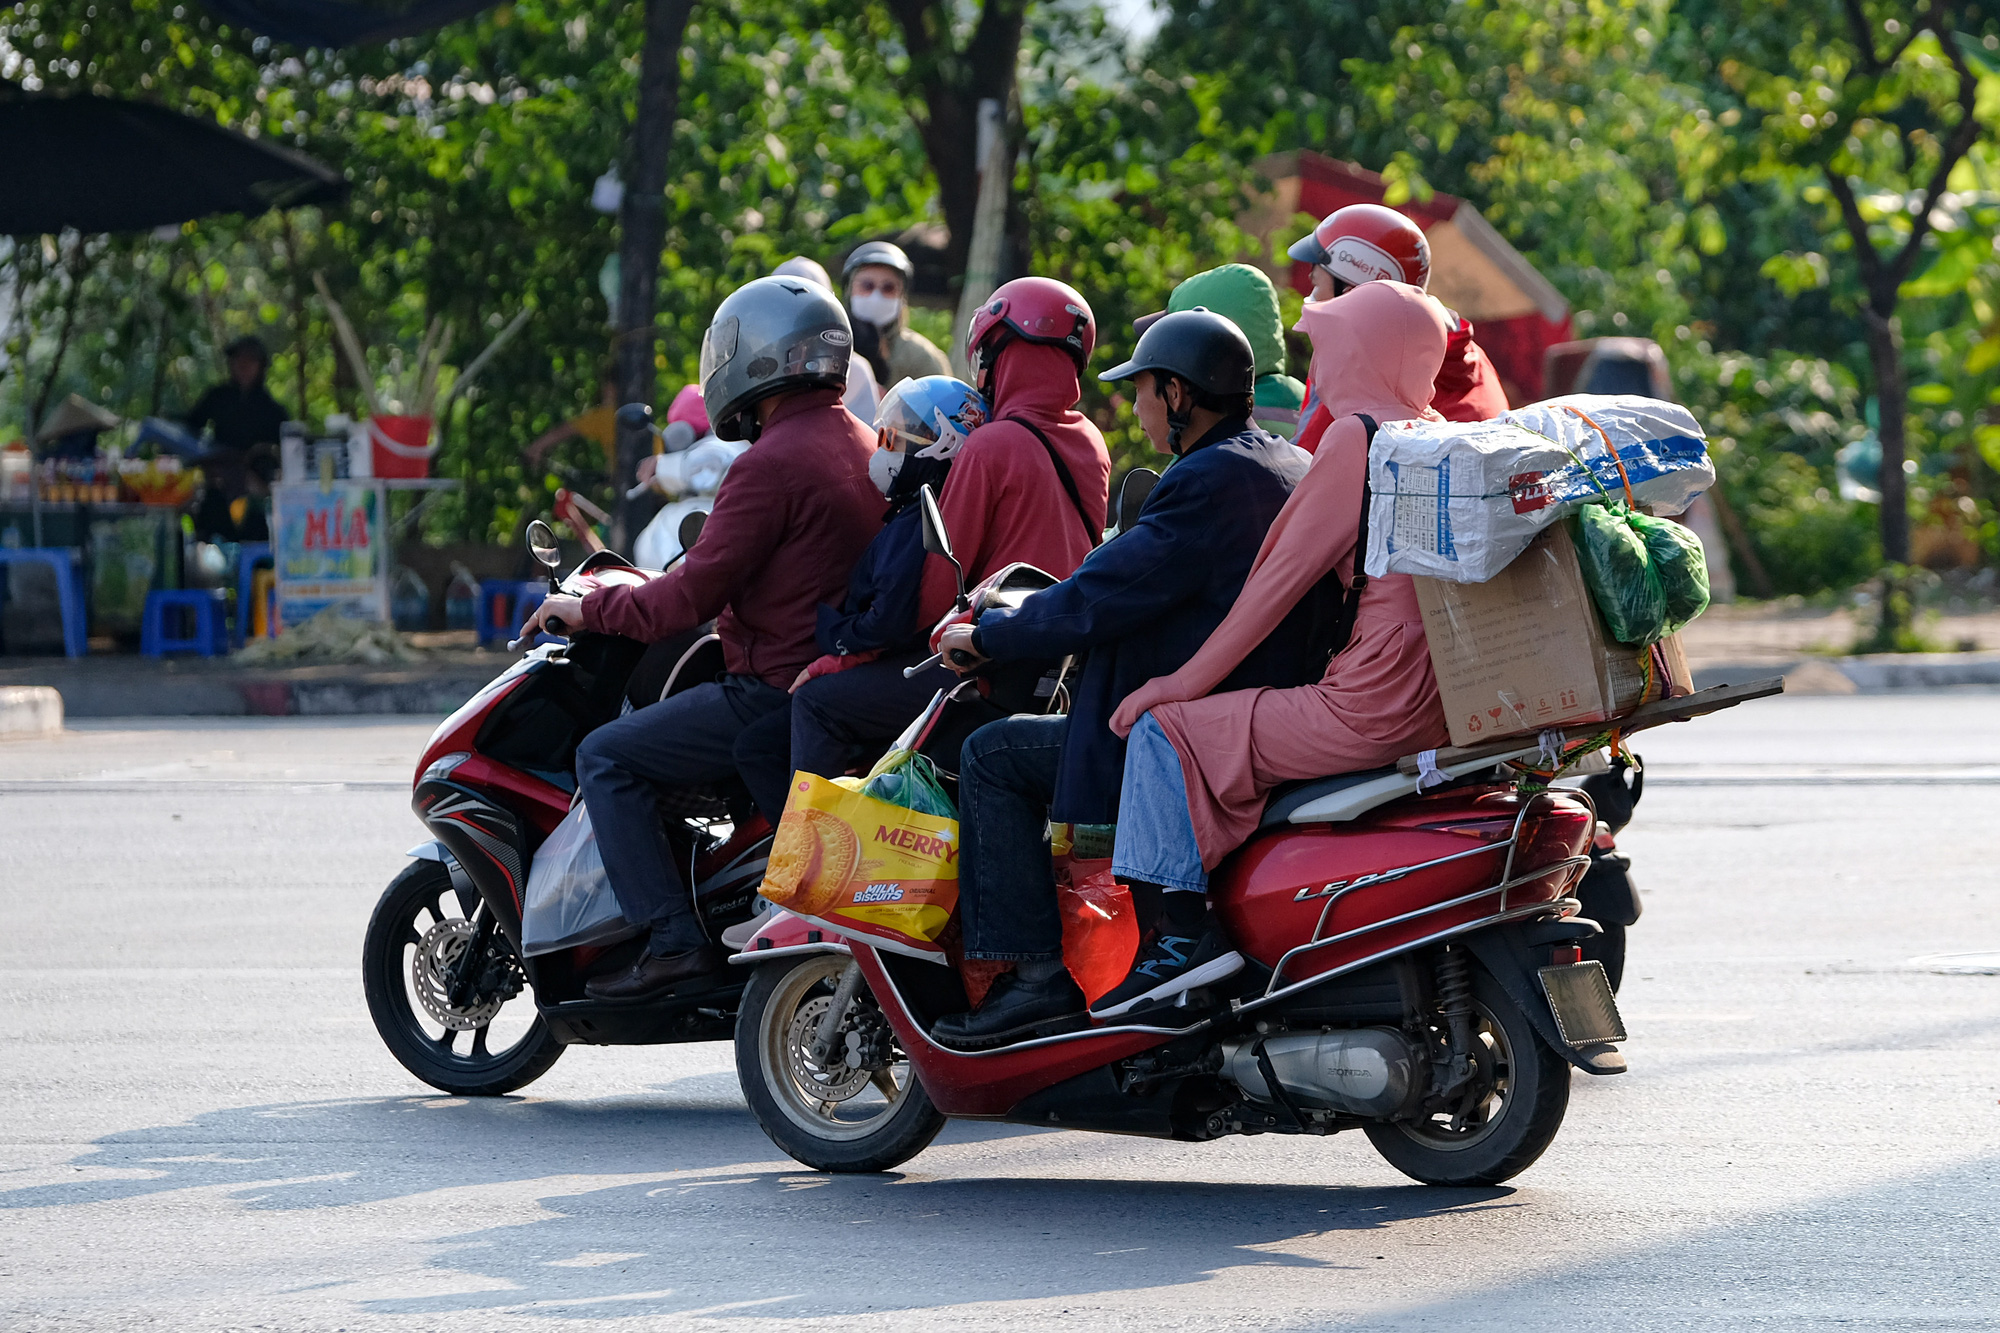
{"points": [[432, 971], [835, 1084]]}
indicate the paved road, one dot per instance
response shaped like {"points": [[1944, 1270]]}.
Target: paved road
{"points": [[198, 1129]]}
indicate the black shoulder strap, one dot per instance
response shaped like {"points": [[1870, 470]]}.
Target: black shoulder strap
{"points": [[1090, 534], [1335, 605]]}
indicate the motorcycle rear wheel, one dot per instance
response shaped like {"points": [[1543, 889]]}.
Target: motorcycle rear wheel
{"points": [[417, 934], [1518, 1105], [824, 1117]]}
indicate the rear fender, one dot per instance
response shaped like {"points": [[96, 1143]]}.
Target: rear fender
{"points": [[785, 935], [1505, 951]]}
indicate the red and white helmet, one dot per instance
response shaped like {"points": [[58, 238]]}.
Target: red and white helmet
{"points": [[1368, 243], [1036, 310]]}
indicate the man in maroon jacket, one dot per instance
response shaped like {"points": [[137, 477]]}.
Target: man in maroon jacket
{"points": [[792, 517]]}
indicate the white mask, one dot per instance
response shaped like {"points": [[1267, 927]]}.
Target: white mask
{"points": [[883, 465], [877, 308]]}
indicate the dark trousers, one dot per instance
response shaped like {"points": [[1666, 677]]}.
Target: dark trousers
{"points": [[833, 723], [1006, 883], [686, 740]]}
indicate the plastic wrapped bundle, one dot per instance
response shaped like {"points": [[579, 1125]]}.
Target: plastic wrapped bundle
{"points": [[1459, 501]]}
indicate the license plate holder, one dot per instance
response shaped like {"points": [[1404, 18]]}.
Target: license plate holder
{"points": [[1579, 996]]}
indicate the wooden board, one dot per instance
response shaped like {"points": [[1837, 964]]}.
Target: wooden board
{"points": [[1699, 704]]}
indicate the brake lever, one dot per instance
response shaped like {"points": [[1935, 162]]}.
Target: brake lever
{"points": [[933, 660], [550, 626]]}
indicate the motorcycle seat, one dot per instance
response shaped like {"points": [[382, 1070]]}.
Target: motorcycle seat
{"points": [[1334, 799]]}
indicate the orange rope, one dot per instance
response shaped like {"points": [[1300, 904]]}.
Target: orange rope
{"points": [[1615, 460]]}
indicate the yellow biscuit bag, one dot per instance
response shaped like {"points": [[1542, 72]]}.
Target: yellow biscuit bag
{"points": [[858, 865]]}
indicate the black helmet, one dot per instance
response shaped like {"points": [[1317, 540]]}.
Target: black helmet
{"points": [[771, 336], [1201, 347], [885, 253]]}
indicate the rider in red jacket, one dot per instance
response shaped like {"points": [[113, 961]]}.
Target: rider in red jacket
{"points": [[1033, 484], [1365, 243]]}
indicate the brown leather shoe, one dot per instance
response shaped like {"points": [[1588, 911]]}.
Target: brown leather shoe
{"points": [[656, 974]]}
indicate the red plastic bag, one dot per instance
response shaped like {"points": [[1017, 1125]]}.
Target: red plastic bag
{"points": [[1100, 933]]}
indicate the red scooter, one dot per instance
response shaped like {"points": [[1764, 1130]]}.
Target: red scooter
{"points": [[1416, 972], [453, 994]]}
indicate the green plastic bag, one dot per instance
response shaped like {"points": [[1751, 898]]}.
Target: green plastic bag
{"points": [[1679, 564], [1618, 570], [910, 780]]}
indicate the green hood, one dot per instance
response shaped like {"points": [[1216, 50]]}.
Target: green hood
{"points": [[1243, 294]]}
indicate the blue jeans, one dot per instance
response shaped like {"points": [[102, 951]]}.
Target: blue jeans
{"points": [[686, 740], [1156, 840], [1006, 882]]}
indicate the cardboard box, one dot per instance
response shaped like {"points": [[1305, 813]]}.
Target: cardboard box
{"points": [[1526, 650]]}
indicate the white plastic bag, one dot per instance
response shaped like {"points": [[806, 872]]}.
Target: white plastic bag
{"points": [[569, 900], [1459, 500]]}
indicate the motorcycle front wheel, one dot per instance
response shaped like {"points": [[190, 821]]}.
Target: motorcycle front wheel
{"points": [[865, 1110], [476, 1035], [1504, 1121]]}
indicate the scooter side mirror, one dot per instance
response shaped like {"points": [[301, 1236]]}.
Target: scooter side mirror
{"points": [[690, 529], [635, 416], [1132, 495], [938, 541], [542, 545]]}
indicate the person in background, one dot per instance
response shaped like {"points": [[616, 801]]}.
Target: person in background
{"points": [[866, 373], [1373, 243], [237, 472], [1245, 297], [878, 277], [792, 516], [853, 699]]}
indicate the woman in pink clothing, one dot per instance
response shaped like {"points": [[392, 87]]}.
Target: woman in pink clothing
{"points": [[1198, 770]]}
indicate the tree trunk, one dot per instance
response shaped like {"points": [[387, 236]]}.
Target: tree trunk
{"points": [[75, 294], [642, 225], [952, 83], [1885, 353], [300, 326]]}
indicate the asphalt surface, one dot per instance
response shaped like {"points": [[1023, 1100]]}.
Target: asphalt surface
{"points": [[199, 1129]]}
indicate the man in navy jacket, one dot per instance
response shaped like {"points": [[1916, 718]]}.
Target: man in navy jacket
{"points": [[1139, 606]]}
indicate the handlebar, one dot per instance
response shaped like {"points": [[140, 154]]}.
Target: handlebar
{"points": [[550, 626]]}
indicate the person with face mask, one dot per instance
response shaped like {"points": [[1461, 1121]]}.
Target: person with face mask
{"points": [[878, 277], [848, 704], [1139, 606]]}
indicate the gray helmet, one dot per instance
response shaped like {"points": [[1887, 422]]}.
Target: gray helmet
{"points": [[885, 253], [771, 336], [1203, 348]]}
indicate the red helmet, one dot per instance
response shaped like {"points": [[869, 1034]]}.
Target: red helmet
{"points": [[1367, 243], [1036, 310]]}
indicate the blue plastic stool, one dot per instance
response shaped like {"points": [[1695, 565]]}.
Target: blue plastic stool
{"points": [[505, 604], [210, 637], [69, 589], [248, 557]]}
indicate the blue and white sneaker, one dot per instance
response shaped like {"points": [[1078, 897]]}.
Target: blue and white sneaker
{"points": [[1169, 965]]}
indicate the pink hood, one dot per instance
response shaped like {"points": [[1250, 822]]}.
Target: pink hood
{"points": [[1377, 350]]}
